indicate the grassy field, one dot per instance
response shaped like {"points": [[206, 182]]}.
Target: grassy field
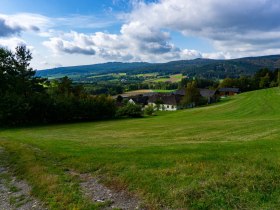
{"points": [[172, 78], [163, 91], [117, 75], [225, 156], [137, 92]]}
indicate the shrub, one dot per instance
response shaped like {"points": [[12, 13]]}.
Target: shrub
{"points": [[149, 110], [130, 110]]}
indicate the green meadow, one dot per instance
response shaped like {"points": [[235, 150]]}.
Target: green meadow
{"points": [[223, 156]]}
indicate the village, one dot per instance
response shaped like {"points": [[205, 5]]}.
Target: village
{"points": [[173, 101]]}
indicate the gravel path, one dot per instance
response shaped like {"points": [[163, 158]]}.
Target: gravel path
{"points": [[15, 194], [100, 193]]}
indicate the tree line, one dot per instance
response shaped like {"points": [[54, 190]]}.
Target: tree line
{"points": [[26, 99], [264, 78]]}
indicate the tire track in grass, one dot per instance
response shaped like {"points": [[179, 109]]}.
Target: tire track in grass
{"points": [[111, 199], [14, 193]]}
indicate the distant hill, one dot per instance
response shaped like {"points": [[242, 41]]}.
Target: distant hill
{"points": [[198, 67]]}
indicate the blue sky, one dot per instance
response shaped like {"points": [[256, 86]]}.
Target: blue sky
{"points": [[70, 32]]}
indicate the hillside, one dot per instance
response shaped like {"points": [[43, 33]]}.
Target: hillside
{"points": [[197, 67], [224, 156]]}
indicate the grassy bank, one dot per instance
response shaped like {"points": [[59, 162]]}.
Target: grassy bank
{"points": [[222, 156]]}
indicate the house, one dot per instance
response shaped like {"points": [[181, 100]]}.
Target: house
{"points": [[224, 92], [165, 102], [140, 99], [210, 95], [181, 92]]}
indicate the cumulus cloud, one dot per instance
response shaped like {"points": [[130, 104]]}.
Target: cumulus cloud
{"points": [[234, 28], [11, 43], [60, 45], [134, 43], [237, 27]]}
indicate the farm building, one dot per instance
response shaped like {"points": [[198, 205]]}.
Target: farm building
{"points": [[223, 92], [165, 102], [210, 95]]}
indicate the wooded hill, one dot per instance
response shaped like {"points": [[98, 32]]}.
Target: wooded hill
{"points": [[207, 68]]}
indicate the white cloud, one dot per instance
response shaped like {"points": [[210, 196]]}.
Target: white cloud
{"points": [[130, 45], [11, 43], [237, 27], [234, 29], [24, 22]]}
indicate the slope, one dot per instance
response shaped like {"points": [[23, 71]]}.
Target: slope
{"points": [[224, 156]]}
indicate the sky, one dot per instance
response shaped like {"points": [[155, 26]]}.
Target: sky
{"points": [[71, 32]]}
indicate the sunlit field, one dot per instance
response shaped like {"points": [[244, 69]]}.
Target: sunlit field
{"points": [[223, 156]]}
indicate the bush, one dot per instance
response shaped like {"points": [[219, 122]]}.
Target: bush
{"points": [[130, 110], [149, 110]]}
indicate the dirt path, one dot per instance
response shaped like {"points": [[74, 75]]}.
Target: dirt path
{"points": [[111, 199], [15, 194]]}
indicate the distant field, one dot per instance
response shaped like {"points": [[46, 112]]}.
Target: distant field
{"points": [[117, 75], [163, 91], [137, 92], [172, 78], [57, 76], [225, 156], [147, 75]]}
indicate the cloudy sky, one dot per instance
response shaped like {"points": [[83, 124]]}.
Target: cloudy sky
{"points": [[71, 32]]}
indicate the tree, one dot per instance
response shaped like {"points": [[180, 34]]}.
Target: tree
{"points": [[278, 79], [18, 87], [119, 99], [23, 80], [159, 104], [264, 81], [6, 66], [228, 82], [192, 96], [24, 99]]}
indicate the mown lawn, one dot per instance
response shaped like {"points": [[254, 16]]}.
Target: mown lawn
{"points": [[224, 156]]}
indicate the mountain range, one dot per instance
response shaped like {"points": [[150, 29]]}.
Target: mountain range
{"points": [[208, 68]]}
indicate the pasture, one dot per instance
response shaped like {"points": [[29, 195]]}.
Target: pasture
{"points": [[223, 156]]}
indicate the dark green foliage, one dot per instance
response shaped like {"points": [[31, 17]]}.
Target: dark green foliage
{"points": [[158, 103], [19, 87], [201, 83], [72, 103], [206, 68], [278, 78], [150, 110], [264, 78], [192, 97], [104, 88], [25, 99], [130, 110]]}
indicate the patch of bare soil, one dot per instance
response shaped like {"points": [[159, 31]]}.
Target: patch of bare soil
{"points": [[113, 199], [15, 194]]}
